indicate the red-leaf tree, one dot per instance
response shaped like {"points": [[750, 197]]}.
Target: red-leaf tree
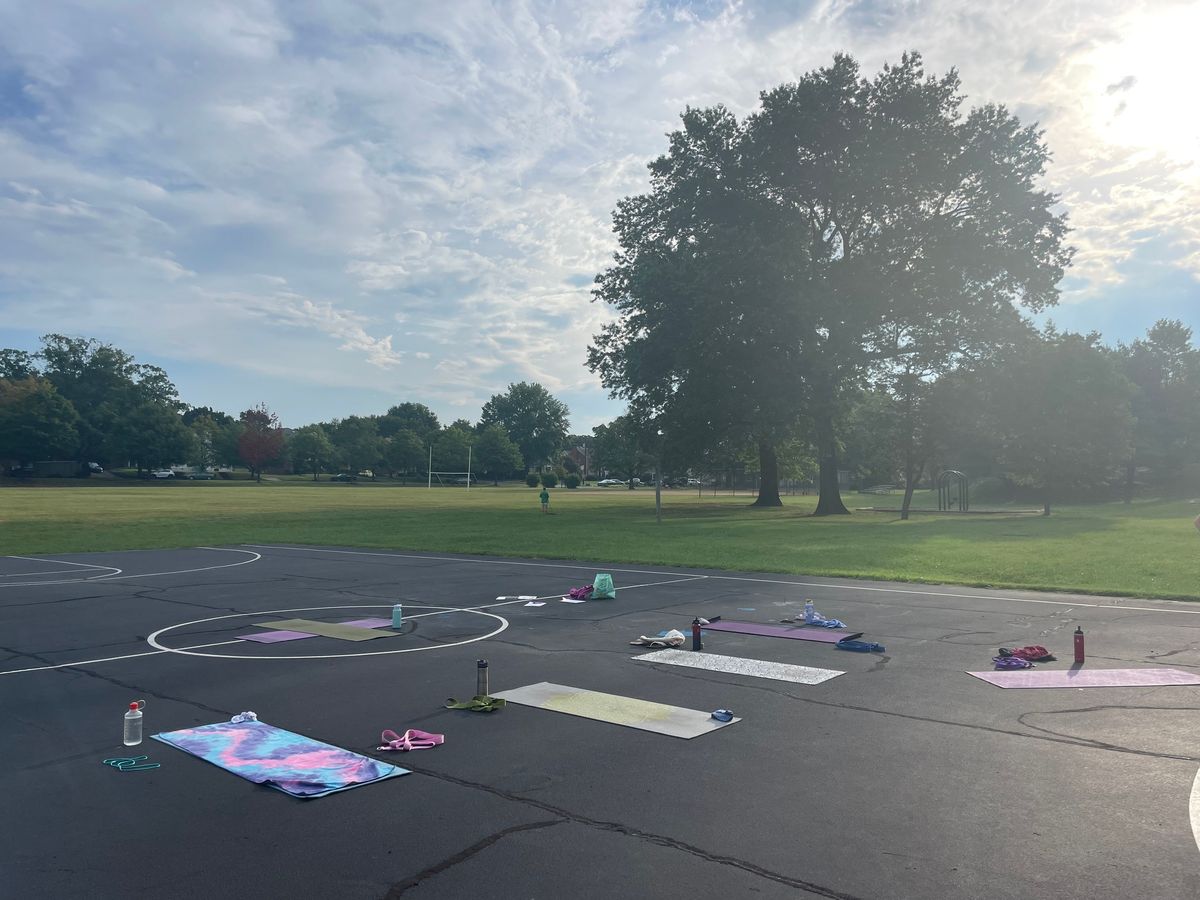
{"points": [[261, 441]]}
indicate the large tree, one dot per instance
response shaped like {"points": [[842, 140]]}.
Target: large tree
{"points": [[261, 441], [495, 453], [35, 421], [105, 385], [403, 452], [867, 221], [415, 417], [310, 450], [1164, 368], [534, 420], [153, 436], [356, 439], [1061, 411]]}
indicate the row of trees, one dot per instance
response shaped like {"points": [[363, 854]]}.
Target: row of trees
{"points": [[1054, 415], [852, 234], [81, 399]]}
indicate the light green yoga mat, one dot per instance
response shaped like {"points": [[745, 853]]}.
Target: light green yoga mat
{"points": [[628, 711], [328, 629]]}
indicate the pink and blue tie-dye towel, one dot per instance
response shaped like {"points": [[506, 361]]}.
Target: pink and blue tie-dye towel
{"points": [[291, 762]]}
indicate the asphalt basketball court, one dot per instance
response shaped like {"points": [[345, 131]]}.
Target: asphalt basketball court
{"points": [[903, 777]]}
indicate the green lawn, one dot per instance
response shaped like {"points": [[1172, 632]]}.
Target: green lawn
{"points": [[1148, 549]]}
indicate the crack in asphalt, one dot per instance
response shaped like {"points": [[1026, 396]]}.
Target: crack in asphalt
{"points": [[136, 688], [401, 887], [639, 834], [1061, 739], [1088, 709]]}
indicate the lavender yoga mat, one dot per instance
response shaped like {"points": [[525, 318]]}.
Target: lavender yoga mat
{"points": [[1081, 678], [275, 637], [822, 635]]}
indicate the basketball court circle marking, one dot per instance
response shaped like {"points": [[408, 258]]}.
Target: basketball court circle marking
{"points": [[152, 639]]}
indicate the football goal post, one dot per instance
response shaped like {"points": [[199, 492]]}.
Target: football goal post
{"points": [[452, 476]]}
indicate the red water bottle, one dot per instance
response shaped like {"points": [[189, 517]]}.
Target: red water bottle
{"points": [[1078, 644], [696, 645]]}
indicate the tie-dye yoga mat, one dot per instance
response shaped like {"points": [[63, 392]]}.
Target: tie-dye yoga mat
{"points": [[290, 762]]}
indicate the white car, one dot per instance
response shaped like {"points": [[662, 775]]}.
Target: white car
{"points": [[162, 473], [610, 482]]}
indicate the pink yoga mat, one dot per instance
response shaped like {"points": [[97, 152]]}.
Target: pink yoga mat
{"points": [[1081, 678], [275, 637], [799, 633]]}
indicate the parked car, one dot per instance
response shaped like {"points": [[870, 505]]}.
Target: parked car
{"points": [[201, 476], [610, 482], [343, 476], [95, 468], [162, 473]]}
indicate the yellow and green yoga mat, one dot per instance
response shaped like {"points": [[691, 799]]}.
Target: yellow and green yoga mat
{"points": [[328, 629], [628, 711]]}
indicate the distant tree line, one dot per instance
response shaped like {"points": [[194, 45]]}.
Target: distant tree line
{"points": [[80, 399]]}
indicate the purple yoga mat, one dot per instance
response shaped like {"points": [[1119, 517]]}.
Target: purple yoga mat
{"points": [[275, 637], [799, 633], [1081, 678]]}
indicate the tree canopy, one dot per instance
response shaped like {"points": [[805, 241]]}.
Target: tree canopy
{"points": [[846, 227], [533, 419], [36, 422], [1061, 411], [261, 441], [495, 453]]}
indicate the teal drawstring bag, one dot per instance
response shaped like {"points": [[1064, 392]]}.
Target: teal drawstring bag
{"points": [[603, 589]]}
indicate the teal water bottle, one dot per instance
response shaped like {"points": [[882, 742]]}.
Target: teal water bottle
{"points": [[397, 617]]}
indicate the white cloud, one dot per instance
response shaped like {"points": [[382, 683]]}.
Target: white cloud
{"points": [[417, 196]]}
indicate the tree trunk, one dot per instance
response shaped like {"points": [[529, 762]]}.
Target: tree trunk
{"points": [[768, 482], [912, 474], [829, 503], [1046, 501], [1130, 473]]}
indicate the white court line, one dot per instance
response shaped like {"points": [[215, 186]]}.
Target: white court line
{"points": [[842, 587], [445, 612], [152, 639], [482, 562], [256, 558], [64, 562], [1194, 809], [38, 574], [117, 574], [87, 662], [857, 587]]}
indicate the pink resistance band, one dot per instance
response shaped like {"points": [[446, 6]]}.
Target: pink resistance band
{"points": [[413, 739]]}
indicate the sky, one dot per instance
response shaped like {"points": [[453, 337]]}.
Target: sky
{"points": [[335, 207]]}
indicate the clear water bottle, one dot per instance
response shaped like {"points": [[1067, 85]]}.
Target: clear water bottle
{"points": [[397, 617], [810, 612], [481, 678], [133, 723]]}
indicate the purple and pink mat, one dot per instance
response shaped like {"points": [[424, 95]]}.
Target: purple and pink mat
{"points": [[289, 762], [1081, 678], [795, 632], [275, 637]]}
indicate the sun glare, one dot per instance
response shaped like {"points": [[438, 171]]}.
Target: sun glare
{"points": [[1142, 84]]}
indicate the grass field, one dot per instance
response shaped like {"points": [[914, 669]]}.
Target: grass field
{"points": [[1148, 549]]}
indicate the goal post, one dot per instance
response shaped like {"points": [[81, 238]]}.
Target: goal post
{"points": [[439, 475]]}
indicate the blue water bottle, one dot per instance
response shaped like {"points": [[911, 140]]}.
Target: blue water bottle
{"points": [[397, 617]]}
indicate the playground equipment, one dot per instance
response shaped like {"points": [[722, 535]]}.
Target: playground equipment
{"points": [[953, 491]]}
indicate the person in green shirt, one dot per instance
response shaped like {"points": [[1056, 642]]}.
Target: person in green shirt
{"points": [[544, 496]]}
